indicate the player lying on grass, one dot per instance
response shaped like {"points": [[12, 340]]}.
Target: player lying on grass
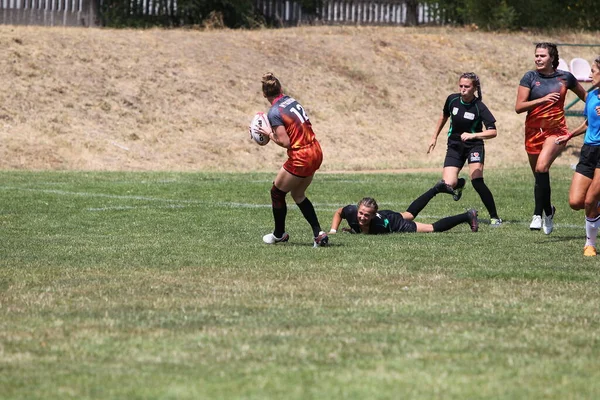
{"points": [[366, 218]]}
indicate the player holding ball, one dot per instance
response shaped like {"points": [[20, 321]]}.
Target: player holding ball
{"points": [[292, 130]]}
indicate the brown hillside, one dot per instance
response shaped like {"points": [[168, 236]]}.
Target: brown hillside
{"points": [[100, 99]]}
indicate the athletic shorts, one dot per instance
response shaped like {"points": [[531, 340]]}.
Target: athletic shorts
{"points": [[407, 227], [535, 137], [305, 161], [589, 160], [458, 152]]}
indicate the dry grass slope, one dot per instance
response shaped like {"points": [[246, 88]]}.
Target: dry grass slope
{"points": [[100, 99]]}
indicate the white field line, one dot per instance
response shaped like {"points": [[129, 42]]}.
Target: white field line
{"points": [[322, 206]]}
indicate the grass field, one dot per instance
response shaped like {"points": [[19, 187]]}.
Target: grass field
{"points": [[157, 286]]}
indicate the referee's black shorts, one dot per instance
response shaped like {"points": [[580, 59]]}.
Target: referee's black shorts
{"points": [[458, 152]]}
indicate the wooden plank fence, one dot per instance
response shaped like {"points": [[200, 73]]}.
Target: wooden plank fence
{"points": [[281, 12], [358, 12], [48, 12]]}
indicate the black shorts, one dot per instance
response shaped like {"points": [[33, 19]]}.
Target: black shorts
{"points": [[589, 160], [458, 152], [407, 227]]}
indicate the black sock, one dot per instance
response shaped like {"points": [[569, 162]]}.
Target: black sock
{"points": [[542, 193], [279, 211], [486, 196], [311, 216], [450, 222], [419, 204]]}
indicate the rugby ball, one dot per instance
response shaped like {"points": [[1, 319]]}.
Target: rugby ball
{"points": [[259, 120]]}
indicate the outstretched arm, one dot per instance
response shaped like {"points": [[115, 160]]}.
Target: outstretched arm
{"points": [[576, 132], [438, 128], [336, 221]]}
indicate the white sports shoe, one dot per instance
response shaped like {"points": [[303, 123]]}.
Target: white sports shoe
{"points": [[269, 238], [536, 223], [548, 223]]}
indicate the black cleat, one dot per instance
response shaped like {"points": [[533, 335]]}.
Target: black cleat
{"points": [[457, 192], [443, 187], [321, 240], [472, 214]]}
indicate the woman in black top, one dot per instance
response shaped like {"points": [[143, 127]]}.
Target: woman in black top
{"points": [[470, 123]]}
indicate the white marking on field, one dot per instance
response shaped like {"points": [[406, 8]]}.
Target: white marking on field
{"points": [[121, 208], [321, 206]]}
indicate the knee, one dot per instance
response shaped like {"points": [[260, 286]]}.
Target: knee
{"points": [[277, 197], [542, 169], [590, 204], [576, 203]]}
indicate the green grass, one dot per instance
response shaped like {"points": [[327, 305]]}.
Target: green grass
{"points": [[158, 286]]}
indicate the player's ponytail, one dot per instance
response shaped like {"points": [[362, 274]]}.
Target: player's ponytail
{"points": [[475, 79], [271, 86]]}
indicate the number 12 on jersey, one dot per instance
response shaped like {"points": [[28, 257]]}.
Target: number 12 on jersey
{"points": [[300, 113]]}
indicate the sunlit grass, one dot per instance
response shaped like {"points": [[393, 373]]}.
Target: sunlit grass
{"points": [[157, 285]]}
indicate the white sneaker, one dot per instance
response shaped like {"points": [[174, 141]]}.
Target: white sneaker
{"points": [[536, 223], [548, 224], [269, 238]]}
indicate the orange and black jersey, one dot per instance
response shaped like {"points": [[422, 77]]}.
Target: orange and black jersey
{"points": [[547, 115], [467, 117], [384, 221], [287, 112]]}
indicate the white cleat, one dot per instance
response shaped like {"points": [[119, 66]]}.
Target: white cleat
{"points": [[548, 224], [269, 238], [536, 223]]}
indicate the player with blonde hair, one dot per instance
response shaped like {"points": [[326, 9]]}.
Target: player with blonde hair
{"points": [[292, 130]]}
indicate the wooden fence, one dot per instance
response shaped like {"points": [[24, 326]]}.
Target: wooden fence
{"points": [[358, 12], [48, 12], [280, 12]]}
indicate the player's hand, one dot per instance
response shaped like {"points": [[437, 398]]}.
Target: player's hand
{"points": [[431, 146], [563, 139], [551, 97], [466, 136]]}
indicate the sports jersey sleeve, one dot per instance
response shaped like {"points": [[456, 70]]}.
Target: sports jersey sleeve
{"points": [[446, 109], [527, 79], [274, 117], [486, 116], [571, 80], [349, 211]]}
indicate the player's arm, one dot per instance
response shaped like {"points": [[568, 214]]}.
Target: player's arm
{"points": [[580, 92], [490, 132], [279, 135], [438, 128], [336, 221], [576, 132], [523, 105]]}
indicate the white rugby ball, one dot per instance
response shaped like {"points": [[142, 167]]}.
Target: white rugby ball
{"points": [[260, 119]]}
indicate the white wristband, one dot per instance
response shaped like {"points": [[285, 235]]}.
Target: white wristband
{"points": [[333, 231]]}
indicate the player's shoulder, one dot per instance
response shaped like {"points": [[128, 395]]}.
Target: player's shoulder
{"points": [[453, 97], [529, 77], [349, 209]]}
